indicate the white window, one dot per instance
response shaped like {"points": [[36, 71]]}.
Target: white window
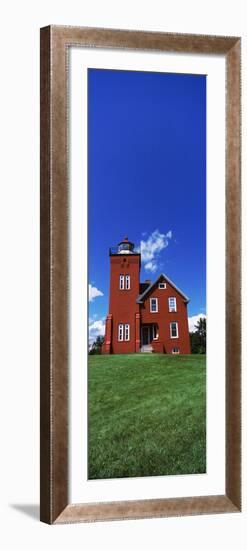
{"points": [[126, 332], [127, 282], [121, 282], [153, 305], [123, 332], [155, 333], [120, 333], [172, 304], [162, 286], [174, 330], [175, 351]]}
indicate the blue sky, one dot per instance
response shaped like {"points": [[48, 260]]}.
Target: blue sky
{"points": [[147, 179]]}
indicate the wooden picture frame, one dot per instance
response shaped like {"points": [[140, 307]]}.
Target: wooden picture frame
{"points": [[55, 43]]}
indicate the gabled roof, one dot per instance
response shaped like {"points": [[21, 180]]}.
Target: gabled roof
{"points": [[142, 287], [142, 296]]}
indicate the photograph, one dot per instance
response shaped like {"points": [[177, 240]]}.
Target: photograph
{"points": [[140, 274], [146, 273]]}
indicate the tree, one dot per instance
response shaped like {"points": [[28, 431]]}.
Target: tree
{"points": [[199, 337], [96, 348]]}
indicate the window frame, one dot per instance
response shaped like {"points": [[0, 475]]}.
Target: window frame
{"points": [[172, 309], [156, 301], [121, 280], [127, 328], [177, 334], [162, 287], [120, 329], [127, 282]]}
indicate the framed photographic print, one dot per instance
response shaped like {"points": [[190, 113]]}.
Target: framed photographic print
{"points": [[140, 274]]}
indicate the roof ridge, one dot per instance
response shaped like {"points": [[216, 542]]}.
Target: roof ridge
{"points": [[141, 296]]}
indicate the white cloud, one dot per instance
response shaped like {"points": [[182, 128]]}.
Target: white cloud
{"points": [[93, 318], [96, 328], [151, 248], [194, 320], [94, 293], [151, 266]]}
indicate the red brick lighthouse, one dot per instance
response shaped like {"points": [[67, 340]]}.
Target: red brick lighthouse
{"points": [[149, 317]]}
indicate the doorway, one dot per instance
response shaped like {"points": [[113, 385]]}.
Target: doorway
{"points": [[145, 335]]}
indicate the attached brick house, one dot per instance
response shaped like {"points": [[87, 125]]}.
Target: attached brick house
{"points": [[148, 317]]}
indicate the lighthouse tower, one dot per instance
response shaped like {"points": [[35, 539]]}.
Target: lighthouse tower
{"points": [[122, 333]]}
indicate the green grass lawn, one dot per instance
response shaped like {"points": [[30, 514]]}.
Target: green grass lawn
{"points": [[147, 415]]}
